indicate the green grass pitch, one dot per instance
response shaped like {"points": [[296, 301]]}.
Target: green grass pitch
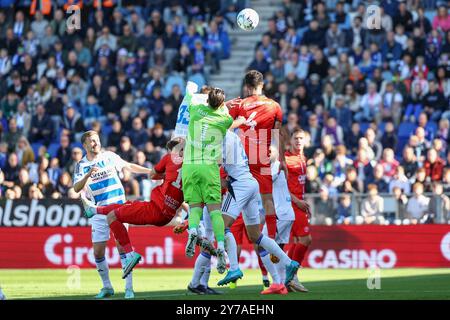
{"points": [[161, 284]]}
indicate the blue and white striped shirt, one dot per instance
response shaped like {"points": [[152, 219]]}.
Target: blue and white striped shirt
{"points": [[104, 187]]}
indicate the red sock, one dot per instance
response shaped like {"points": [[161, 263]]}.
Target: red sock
{"points": [[299, 252], [261, 266], [121, 235], [271, 222], [107, 209]]}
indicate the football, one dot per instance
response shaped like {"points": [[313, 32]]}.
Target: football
{"points": [[247, 19]]}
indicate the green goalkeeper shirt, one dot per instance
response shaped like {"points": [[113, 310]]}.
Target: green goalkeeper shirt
{"points": [[207, 129]]}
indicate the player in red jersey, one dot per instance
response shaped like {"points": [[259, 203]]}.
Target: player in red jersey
{"points": [[296, 168], [263, 115], [159, 211]]}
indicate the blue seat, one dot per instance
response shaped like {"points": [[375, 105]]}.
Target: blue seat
{"points": [[198, 79], [363, 126], [77, 144], [381, 127], [106, 129], [53, 149], [406, 129], [35, 146], [170, 82], [402, 142], [432, 126]]}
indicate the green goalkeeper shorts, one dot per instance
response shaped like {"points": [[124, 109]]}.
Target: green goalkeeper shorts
{"points": [[201, 183]]}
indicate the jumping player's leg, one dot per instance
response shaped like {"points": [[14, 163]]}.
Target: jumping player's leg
{"points": [[302, 240], [100, 236]]}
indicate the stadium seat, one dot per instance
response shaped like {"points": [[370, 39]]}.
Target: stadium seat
{"points": [[402, 141], [406, 129], [381, 127], [53, 149], [198, 78], [77, 144], [432, 126], [35, 146], [364, 126], [172, 80]]}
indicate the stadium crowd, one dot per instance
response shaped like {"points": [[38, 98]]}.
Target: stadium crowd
{"points": [[375, 101]]}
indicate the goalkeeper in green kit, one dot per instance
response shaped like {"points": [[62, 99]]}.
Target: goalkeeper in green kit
{"points": [[208, 125]]}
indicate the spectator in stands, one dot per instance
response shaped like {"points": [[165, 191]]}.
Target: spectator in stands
{"points": [[379, 179], [375, 145], [372, 207], [446, 180], [363, 165], [23, 119], [11, 171], [313, 182], [324, 210], [126, 151], [73, 123], [389, 138], [115, 136], [24, 152], [417, 205], [41, 126], [434, 165], [9, 104], [351, 184], [401, 201], [77, 155], [64, 183], [45, 185], [334, 131], [439, 205], [389, 163], [259, 63], [138, 135], [400, 180], [158, 138], [344, 210], [12, 136], [371, 104], [64, 152], [441, 21]]}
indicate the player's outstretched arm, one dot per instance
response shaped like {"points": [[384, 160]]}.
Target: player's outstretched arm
{"points": [[137, 169], [238, 122]]}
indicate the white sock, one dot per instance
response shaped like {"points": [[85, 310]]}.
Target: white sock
{"points": [[202, 262], [265, 258], [129, 278], [281, 268], [273, 248], [192, 231], [205, 277], [231, 250], [103, 271], [221, 245]]}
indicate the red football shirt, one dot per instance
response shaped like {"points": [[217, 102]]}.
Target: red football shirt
{"points": [[169, 195], [262, 113], [296, 167]]}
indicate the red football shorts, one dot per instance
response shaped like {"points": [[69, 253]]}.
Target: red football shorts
{"points": [[239, 231], [263, 175], [142, 213], [300, 228]]}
